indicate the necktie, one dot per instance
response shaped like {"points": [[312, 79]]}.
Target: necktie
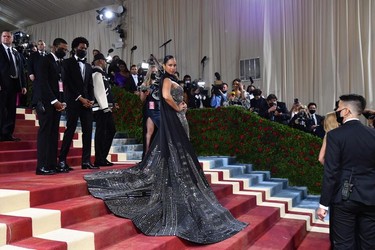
{"points": [[82, 65], [12, 68], [59, 67]]}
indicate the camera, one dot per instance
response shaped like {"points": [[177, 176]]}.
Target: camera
{"points": [[296, 101], [301, 119], [143, 88], [217, 89]]}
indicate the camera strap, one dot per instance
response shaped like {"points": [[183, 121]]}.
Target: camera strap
{"points": [[350, 181], [351, 175]]}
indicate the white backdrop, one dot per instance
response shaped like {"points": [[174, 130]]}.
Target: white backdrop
{"points": [[312, 50]]}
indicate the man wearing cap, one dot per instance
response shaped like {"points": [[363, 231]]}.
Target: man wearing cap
{"points": [[104, 102]]}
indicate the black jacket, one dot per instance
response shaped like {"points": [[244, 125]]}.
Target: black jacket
{"points": [[5, 80], [350, 149], [74, 85]]}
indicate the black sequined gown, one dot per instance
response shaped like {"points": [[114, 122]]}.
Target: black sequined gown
{"points": [[167, 193]]}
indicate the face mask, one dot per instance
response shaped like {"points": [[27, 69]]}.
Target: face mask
{"points": [[339, 119], [312, 111], [81, 53], [60, 53]]}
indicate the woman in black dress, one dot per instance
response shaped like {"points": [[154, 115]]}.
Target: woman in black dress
{"points": [[167, 193]]}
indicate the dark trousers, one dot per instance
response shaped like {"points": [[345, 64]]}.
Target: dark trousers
{"points": [[104, 133], [353, 226], [74, 113], [48, 135], [8, 99]]}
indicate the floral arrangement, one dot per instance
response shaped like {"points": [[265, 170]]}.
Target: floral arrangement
{"points": [[284, 151]]}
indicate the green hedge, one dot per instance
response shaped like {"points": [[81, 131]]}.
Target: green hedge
{"points": [[285, 152]]}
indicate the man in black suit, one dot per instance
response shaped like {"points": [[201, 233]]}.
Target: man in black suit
{"points": [[349, 178], [12, 81], [49, 93], [274, 110], [315, 122], [79, 96], [134, 77], [33, 64], [129, 84]]}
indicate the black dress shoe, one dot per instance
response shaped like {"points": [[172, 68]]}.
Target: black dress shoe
{"points": [[62, 170], [44, 171], [88, 165], [109, 163], [63, 165], [102, 164], [10, 138]]}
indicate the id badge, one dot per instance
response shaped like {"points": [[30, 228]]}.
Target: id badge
{"points": [[61, 86], [151, 105]]}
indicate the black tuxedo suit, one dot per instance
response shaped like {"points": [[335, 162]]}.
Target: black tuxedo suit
{"points": [[130, 85], [47, 91], [351, 150], [9, 88], [319, 130], [74, 87], [33, 68]]}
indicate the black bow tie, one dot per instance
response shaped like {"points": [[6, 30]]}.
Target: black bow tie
{"points": [[81, 60]]}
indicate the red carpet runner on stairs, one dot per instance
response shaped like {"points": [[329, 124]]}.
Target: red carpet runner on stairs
{"points": [[56, 212]]}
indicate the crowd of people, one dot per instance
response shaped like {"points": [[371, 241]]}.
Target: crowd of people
{"points": [[169, 180], [59, 83]]}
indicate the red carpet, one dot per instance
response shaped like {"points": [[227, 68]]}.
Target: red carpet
{"points": [[56, 212]]}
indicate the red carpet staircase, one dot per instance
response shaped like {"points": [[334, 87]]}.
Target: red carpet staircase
{"points": [[56, 212]]}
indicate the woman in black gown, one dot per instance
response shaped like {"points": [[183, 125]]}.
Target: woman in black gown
{"points": [[167, 193]]}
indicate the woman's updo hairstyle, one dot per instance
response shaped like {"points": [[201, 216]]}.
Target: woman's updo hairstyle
{"points": [[167, 58]]}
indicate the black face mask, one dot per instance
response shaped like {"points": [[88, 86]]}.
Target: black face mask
{"points": [[312, 111], [81, 53], [339, 119], [60, 53]]}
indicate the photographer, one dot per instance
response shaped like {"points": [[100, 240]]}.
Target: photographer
{"points": [[257, 102], [274, 110], [300, 120], [219, 95], [197, 95], [184, 84], [149, 95]]}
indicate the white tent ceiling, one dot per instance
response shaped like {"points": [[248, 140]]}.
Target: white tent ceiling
{"points": [[18, 14]]}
